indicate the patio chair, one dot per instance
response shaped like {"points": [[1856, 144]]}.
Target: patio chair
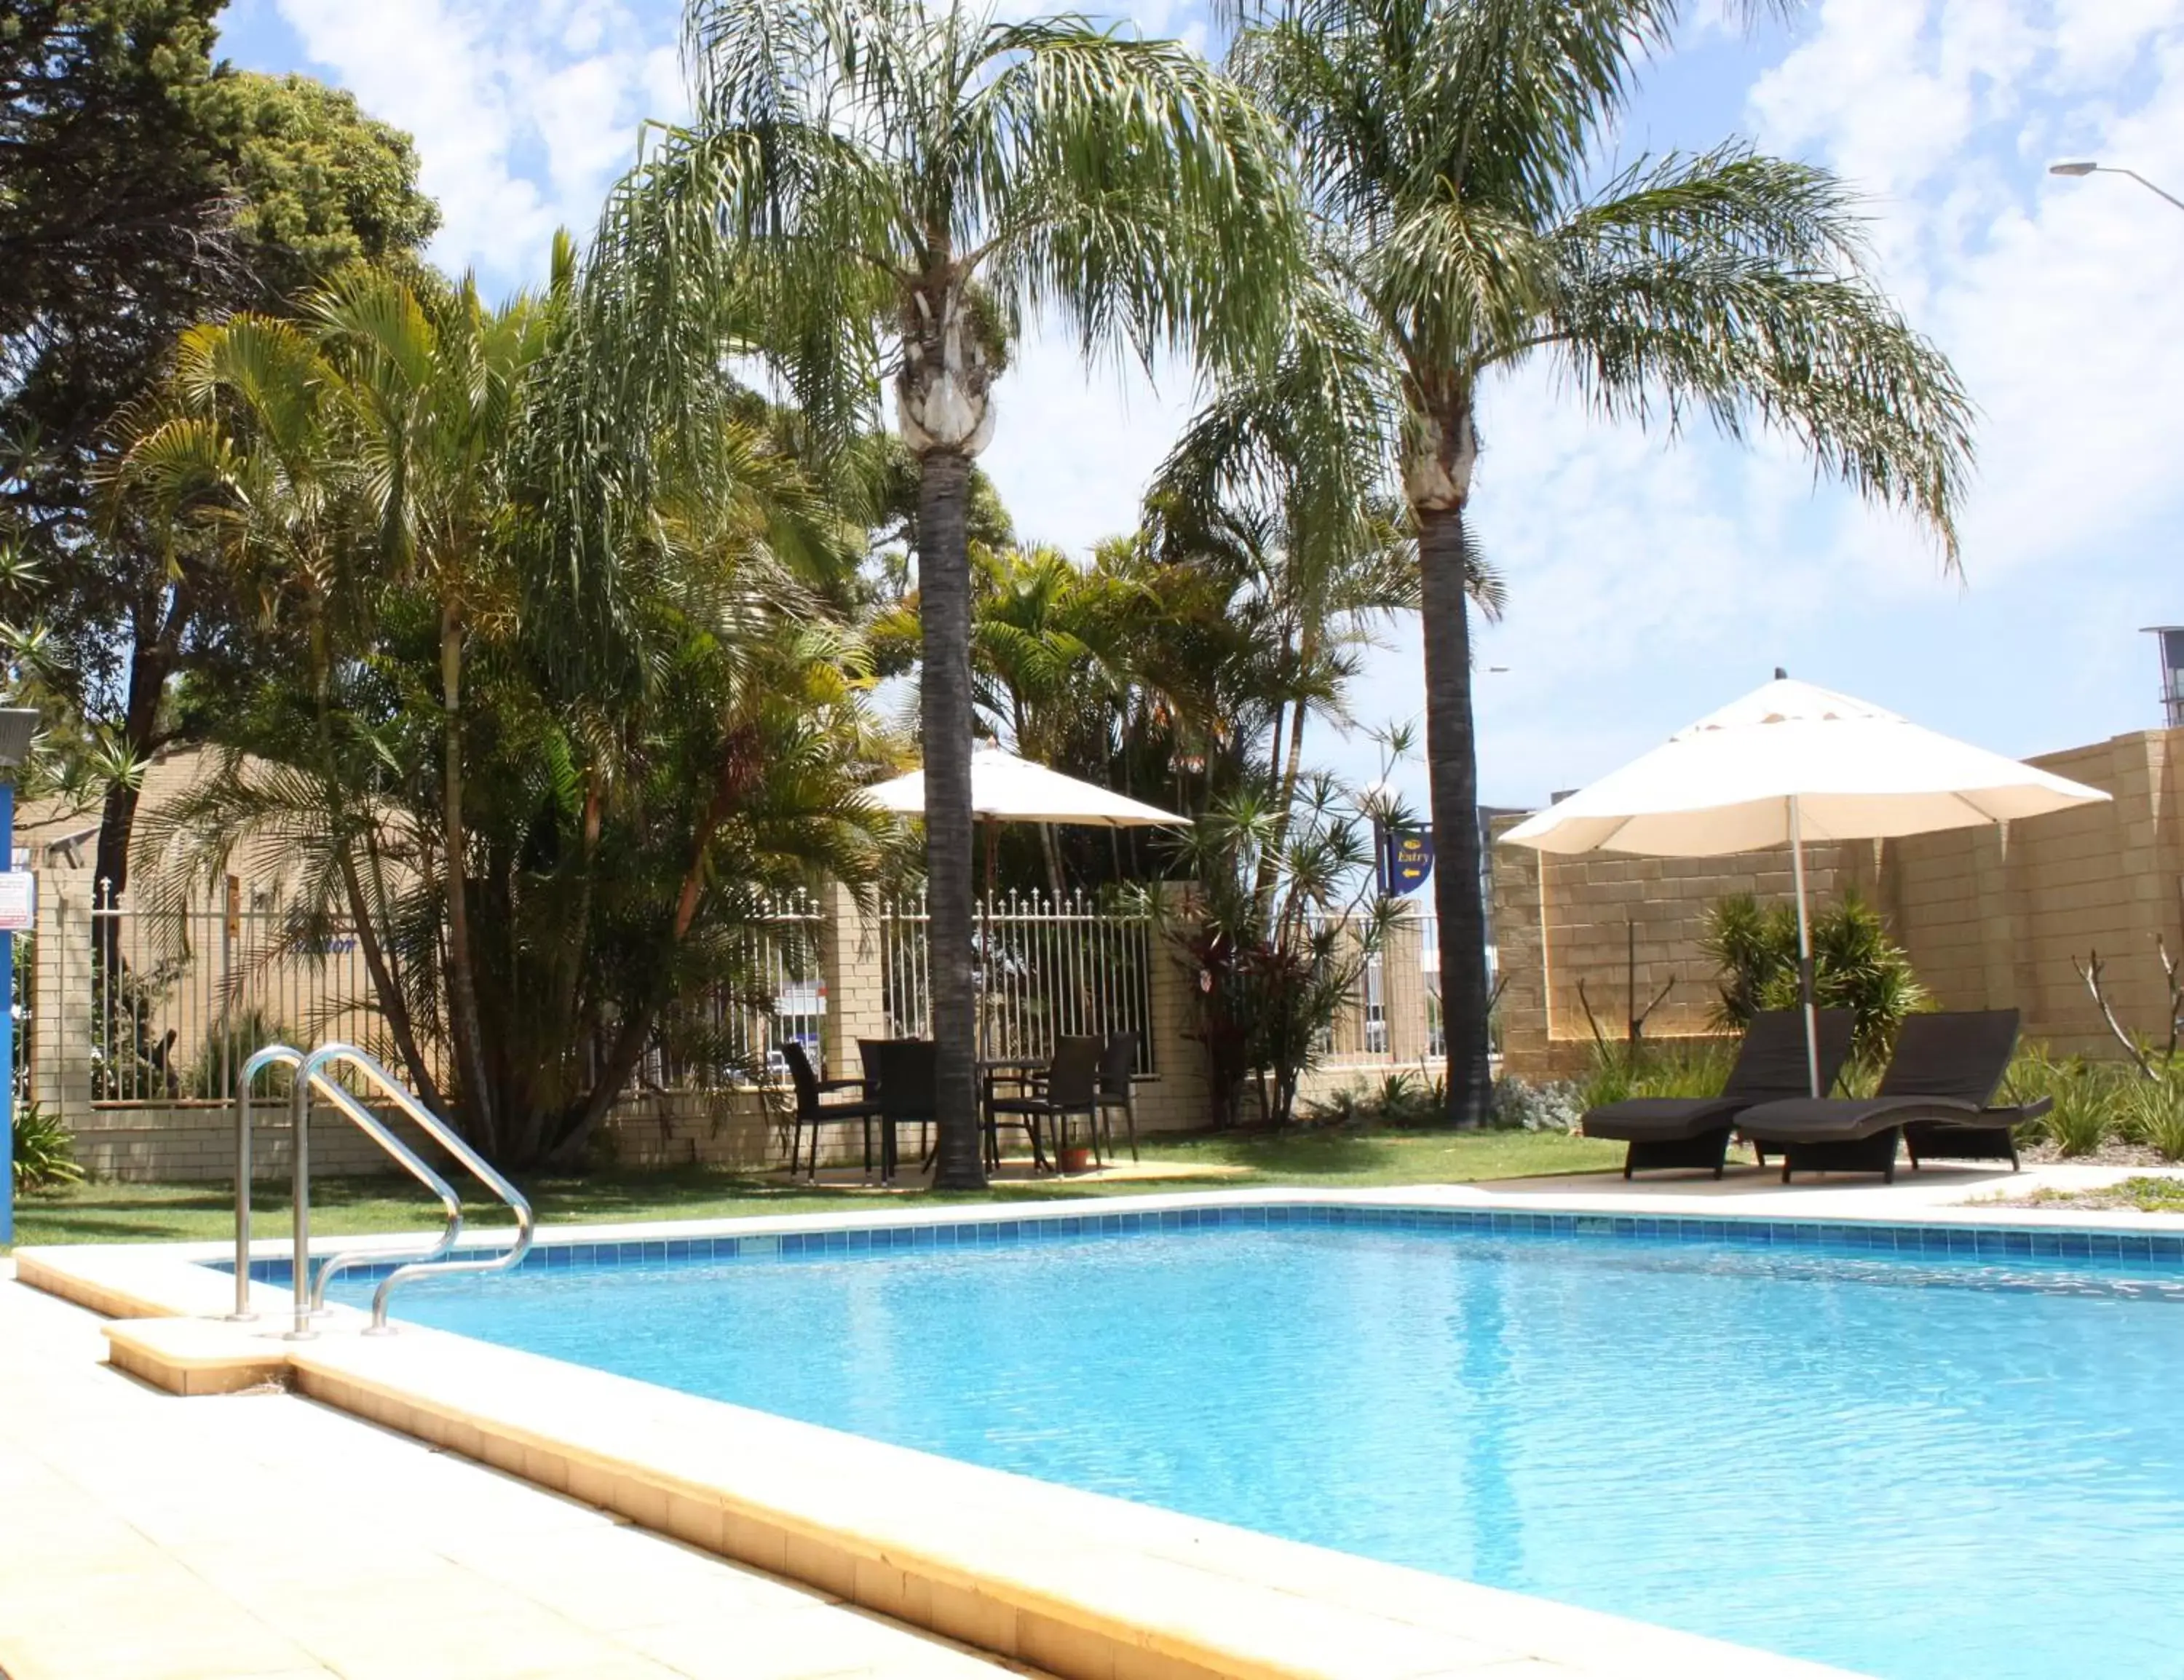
{"points": [[1071, 1088], [1944, 1074], [816, 1114], [1118, 1066], [904, 1069], [1693, 1133]]}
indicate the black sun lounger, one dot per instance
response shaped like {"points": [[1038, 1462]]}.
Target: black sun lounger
{"points": [[1693, 1131], [1946, 1070]]}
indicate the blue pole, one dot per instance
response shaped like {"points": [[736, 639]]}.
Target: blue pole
{"points": [[7, 1028]]}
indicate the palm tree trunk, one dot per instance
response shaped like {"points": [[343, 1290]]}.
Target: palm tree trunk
{"points": [[1287, 768], [393, 1007], [944, 583], [462, 976], [1452, 764], [738, 766]]}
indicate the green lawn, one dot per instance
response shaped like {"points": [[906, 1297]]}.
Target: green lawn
{"points": [[128, 1213]]}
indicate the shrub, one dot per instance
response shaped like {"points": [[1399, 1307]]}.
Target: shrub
{"points": [[1555, 1106], [232, 1041], [1402, 1098], [2153, 1113], [45, 1154], [2089, 1097], [1662, 1068], [1856, 967]]}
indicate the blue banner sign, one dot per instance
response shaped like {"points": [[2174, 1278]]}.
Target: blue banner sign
{"points": [[1407, 859]]}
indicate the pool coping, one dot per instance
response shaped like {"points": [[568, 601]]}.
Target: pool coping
{"points": [[1079, 1584]]}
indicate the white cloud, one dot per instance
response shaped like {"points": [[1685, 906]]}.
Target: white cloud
{"points": [[524, 111]]}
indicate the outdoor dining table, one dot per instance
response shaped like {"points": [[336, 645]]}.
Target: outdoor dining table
{"points": [[1019, 1071]]}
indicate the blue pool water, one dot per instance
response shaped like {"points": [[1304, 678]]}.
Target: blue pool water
{"points": [[1916, 1467]]}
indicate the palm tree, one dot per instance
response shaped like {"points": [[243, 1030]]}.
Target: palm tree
{"points": [[890, 186], [435, 382], [1447, 149]]}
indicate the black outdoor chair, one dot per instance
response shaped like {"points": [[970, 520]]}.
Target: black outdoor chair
{"points": [[1944, 1074], [903, 1071], [811, 1112], [1693, 1131], [1118, 1065], [1072, 1086]]}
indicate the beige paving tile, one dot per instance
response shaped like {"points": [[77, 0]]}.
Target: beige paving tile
{"points": [[814, 1642], [271, 1537]]}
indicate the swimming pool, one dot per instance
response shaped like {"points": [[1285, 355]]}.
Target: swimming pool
{"points": [[1916, 1465]]}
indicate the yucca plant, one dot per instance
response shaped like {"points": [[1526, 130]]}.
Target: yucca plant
{"points": [[45, 1152], [1856, 967]]}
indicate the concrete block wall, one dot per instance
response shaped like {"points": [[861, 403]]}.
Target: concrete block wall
{"points": [[194, 1143], [734, 1129], [1567, 929], [1991, 917]]}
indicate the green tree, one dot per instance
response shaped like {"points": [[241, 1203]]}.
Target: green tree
{"points": [[1274, 967], [319, 184], [147, 189], [1462, 230], [898, 183], [554, 866]]}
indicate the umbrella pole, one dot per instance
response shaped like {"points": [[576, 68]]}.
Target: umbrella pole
{"points": [[986, 948], [1804, 954]]}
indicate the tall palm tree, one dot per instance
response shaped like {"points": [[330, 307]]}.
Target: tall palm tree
{"points": [[1448, 151], [890, 187]]}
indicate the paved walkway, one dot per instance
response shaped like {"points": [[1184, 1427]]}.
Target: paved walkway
{"points": [[147, 1537]]}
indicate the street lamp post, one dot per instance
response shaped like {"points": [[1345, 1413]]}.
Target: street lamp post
{"points": [[2084, 168], [17, 725]]}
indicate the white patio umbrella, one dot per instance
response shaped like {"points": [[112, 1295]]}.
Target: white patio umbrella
{"points": [[1005, 788], [1787, 764]]}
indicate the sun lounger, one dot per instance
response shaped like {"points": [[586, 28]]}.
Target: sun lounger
{"points": [[1693, 1131], [1945, 1072]]}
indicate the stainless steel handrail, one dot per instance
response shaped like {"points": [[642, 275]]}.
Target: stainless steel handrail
{"points": [[310, 1303], [271, 1055], [311, 1076], [447, 1139]]}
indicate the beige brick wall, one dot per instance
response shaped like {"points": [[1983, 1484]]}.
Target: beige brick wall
{"points": [[194, 1143], [1991, 917]]}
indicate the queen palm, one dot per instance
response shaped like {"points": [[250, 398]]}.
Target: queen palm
{"points": [[890, 186], [1447, 149]]}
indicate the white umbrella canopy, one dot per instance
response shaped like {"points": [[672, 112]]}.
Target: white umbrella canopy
{"points": [[1853, 770], [1787, 764], [1009, 789]]}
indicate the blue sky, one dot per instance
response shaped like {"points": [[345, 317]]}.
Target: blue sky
{"points": [[1648, 583]]}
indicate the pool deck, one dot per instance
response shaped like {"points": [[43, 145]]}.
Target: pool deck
{"points": [[269, 1534]]}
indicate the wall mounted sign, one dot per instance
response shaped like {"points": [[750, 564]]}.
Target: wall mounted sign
{"points": [[18, 901]]}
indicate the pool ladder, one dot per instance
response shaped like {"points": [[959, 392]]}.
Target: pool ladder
{"points": [[311, 1075]]}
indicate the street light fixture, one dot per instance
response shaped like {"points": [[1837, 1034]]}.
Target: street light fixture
{"points": [[2080, 168], [17, 725]]}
